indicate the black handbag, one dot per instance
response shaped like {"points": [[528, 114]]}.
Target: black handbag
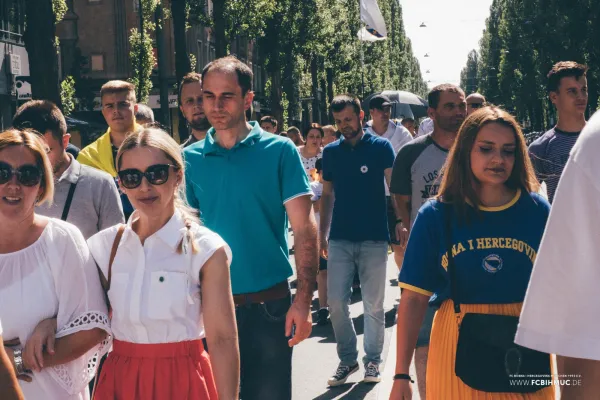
{"points": [[487, 358]]}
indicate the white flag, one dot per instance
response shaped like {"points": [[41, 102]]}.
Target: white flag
{"points": [[375, 28]]}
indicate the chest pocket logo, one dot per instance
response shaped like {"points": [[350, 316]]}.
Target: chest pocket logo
{"points": [[492, 263], [364, 169]]}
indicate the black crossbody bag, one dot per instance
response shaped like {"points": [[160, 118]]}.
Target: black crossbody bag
{"points": [[487, 357]]}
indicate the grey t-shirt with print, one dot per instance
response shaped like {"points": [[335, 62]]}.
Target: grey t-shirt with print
{"points": [[417, 171]]}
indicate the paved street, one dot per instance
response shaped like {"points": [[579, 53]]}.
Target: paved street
{"points": [[316, 358]]}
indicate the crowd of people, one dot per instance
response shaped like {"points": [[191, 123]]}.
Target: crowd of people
{"points": [[124, 264]]}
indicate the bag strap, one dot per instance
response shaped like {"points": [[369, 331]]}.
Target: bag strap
{"points": [[451, 265], [67, 207], [113, 253]]}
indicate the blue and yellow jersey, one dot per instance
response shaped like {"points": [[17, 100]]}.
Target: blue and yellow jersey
{"points": [[494, 253]]}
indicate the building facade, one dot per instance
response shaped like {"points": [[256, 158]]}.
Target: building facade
{"points": [[14, 62]]}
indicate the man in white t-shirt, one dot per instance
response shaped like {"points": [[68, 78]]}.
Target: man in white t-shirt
{"points": [[380, 108], [425, 127], [9, 387], [560, 313]]}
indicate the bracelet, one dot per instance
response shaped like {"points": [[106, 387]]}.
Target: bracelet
{"points": [[398, 221], [18, 357], [404, 377]]}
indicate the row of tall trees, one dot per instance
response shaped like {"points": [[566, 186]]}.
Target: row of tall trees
{"points": [[311, 51], [521, 42], [309, 48]]}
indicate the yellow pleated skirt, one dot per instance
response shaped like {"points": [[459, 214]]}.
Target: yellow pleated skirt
{"points": [[442, 382]]}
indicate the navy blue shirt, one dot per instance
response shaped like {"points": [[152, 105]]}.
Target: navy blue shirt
{"points": [[357, 175]]}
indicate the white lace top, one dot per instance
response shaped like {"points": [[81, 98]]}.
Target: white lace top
{"points": [[154, 291], [54, 277]]}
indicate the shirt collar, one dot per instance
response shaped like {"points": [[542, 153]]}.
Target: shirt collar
{"points": [[72, 173], [211, 146], [170, 233]]}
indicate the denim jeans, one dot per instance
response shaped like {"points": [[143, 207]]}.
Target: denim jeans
{"points": [[265, 357], [370, 259]]}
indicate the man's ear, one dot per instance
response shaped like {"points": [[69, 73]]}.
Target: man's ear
{"points": [[553, 97], [248, 98], [65, 140]]}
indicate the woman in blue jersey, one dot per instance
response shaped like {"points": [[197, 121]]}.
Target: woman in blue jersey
{"points": [[488, 212]]}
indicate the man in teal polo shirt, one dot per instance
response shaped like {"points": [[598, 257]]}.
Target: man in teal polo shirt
{"points": [[246, 183]]}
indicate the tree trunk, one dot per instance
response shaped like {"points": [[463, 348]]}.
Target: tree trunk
{"points": [[182, 60], [275, 72], [221, 44], [162, 69], [314, 74], [39, 43], [290, 87], [330, 94]]}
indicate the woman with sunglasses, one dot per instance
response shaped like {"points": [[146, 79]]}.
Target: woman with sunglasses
{"points": [[481, 233], [46, 274], [167, 281]]}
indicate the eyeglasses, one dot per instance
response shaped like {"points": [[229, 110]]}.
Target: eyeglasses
{"points": [[157, 174], [476, 105], [27, 175]]}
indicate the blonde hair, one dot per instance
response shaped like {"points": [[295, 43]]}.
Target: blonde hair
{"points": [[112, 87], [31, 140], [159, 139]]}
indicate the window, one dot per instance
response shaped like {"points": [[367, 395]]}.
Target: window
{"points": [[12, 20], [136, 6], [97, 62]]}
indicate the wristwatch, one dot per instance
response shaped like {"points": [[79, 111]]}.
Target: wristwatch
{"points": [[404, 377]]}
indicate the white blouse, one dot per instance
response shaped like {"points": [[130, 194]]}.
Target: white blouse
{"points": [[54, 277], [310, 163], [155, 292]]}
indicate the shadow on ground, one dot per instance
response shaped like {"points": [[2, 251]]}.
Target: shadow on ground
{"points": [[349, 391]]}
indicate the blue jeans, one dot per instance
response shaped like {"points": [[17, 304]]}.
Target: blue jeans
{"points": [[265, 357], [370, 258]]}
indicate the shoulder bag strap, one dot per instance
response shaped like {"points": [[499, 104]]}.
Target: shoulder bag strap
{"points": [[113, 253], [67, 207], [451, 266]]}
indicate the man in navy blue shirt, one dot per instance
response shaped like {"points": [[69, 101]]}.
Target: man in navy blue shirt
{"points": [[353, 205]]}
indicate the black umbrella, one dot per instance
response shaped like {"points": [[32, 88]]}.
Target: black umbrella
{"points": [[404, 104]]}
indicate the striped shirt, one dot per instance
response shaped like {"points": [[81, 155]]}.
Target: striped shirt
{"points": [[549, 154]]}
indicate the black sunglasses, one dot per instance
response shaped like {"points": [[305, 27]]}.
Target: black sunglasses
{"points": [[476, 105], [157, 174], [27, 175]]}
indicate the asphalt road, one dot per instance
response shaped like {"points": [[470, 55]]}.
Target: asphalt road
{"points": [[315, 359]]}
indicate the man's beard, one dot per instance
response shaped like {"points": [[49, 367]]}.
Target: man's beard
{"points": [[449, 125], [352, 134], [201, 125]]}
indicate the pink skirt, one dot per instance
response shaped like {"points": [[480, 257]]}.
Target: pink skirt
{"points": [[157, 372]]}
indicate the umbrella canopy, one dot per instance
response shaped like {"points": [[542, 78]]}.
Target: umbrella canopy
{"points": [[404, 104]]}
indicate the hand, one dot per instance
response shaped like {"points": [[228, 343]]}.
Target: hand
{"points": [[42, 339], [11, 356], [402, 234], [298, 315], [401, 390], [324, 248]]}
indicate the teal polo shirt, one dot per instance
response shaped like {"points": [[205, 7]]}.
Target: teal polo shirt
{"points": [[241, 195]]}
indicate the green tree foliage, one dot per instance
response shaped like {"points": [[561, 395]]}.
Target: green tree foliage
{"points": [[67, 95], [312, 52], [468, 75], [521, 42], [140, 54]]}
